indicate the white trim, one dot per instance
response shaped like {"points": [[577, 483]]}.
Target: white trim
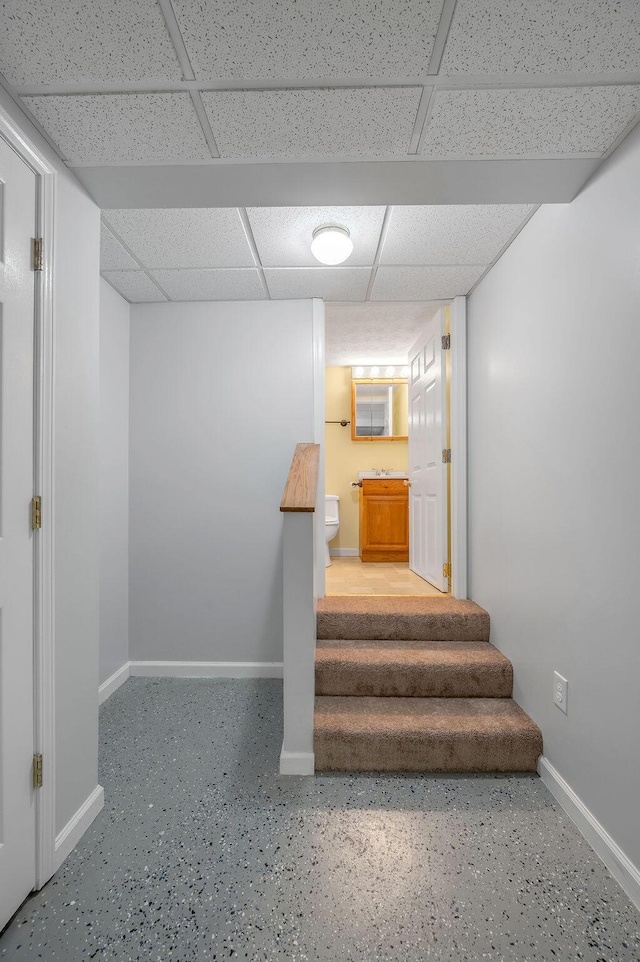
{"points": [[458, 395], [44, 693], [297, 763], [77, 825], [318, 361], [344, 552], [620, 866], [113, 682], [205, 669]]}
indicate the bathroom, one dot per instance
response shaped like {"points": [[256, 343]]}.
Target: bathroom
{"points": [[368, 344]]}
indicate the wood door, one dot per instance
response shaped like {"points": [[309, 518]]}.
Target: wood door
{"points": [[17, 801], [427, 440], [384, 521]]}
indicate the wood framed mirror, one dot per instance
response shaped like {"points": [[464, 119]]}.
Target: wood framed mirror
{"points": [[379, 409]]}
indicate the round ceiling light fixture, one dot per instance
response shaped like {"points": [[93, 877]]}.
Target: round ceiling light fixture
{"points": [[331, 244]]}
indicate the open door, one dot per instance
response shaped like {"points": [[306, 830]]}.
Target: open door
{"points": [[428, 508]]}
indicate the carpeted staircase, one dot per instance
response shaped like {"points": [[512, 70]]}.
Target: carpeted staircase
{"points": [[411, 683]]}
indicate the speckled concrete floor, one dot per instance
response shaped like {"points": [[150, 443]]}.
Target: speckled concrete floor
{"points": [[204, 853]]}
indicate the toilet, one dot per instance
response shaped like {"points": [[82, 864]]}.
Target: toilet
{"points": [[331, 523]]}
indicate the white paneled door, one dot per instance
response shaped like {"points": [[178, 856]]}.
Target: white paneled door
{"points": [[427, 441], [17, 796]]}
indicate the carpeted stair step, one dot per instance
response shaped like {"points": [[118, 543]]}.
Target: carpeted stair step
{"points": [[401, 618], [424, 735], [424, 669]]}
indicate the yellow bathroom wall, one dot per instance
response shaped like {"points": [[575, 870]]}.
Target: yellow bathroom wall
{"points": [[344, 458]]}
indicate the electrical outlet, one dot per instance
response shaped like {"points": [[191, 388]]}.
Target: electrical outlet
{"points": [[560, 691]]}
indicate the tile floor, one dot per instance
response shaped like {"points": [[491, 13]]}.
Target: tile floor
{"points": [[203, 852], [349, 576]]}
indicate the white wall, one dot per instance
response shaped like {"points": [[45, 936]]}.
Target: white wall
{"points": [[75, 478], [76, 293], [114, 481], [554, 395], [220, 395]]}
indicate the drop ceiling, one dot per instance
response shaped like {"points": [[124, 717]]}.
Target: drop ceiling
{"points": [[400, 253], [215, 134]]}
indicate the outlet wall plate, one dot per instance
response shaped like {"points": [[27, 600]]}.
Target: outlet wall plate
{"points": [[560, 692]]}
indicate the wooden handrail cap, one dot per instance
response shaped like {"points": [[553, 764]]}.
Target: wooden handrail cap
{"points": [[301, 489]]}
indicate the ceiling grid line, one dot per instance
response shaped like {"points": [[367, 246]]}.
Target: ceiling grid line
{"points": [[376, 260], [440, 82], [421, 116], [246, 223], [310, 161], [201, 114], [420, 160], [442, 34], [175, 35], [133, 256], [425, 126]]}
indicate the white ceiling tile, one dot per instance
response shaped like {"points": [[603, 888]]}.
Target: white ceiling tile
{"points": [[135, 286], [373, 333], [184, 237], [313, 124], [457, 234], [283, 234], [424, 283], [211, 285], [543, 36], [268, 39], [68, 41], [106, 128], [330, 283], [113, 256], [526, 122]]}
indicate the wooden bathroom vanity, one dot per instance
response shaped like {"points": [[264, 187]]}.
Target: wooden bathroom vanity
{"points": [[384, 519]]}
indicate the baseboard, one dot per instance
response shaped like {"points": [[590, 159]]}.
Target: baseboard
{"points": [[77, 825], [112, 683], [206, 669], [297, 763], [344, 552], [620, 866]]}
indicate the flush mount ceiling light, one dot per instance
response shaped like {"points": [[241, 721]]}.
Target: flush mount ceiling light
{"points": [[331, 245]]}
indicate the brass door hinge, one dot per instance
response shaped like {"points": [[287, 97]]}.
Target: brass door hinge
{"points": [[37, 771], [446, 455], [38, 254], [446, 570], [36, 512], [446, 342]]}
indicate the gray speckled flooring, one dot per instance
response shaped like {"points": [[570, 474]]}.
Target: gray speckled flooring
{"points": [[204, 853]]}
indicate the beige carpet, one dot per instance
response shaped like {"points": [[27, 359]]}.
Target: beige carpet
{"points": [[402, 618], [424, 734], [412, 684], [426, 669]]}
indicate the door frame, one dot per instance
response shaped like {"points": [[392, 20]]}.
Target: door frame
{"points": [[43, 538], [458, 425]]}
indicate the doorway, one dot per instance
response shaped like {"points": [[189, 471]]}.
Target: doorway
{"points": [[353, 571]]}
